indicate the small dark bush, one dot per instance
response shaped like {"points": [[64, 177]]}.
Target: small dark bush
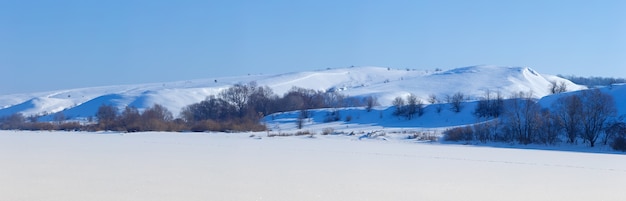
{"points": [[300, 133], [279, 134], [328, 131], [619, 144]]}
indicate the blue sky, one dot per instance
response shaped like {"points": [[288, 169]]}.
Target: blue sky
{"points": [[46, 45]]}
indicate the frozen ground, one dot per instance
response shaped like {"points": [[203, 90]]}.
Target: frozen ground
{"points": [[46, 166]]}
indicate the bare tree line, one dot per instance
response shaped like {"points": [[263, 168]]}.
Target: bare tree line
{"points": [[238, 108], [588, 117], [593, 81], [411, 106]]}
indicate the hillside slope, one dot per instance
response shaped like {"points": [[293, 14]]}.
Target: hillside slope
{"points": [[383, 83], [382, 118]]}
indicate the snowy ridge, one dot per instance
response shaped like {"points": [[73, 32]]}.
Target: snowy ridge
{"points": [[383, 83]]}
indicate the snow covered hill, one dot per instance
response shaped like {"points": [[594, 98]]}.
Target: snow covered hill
{"points": [[382, 118], [383, 83]]}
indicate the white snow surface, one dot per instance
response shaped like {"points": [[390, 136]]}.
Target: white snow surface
{"points": [[70, 166], [383, 83]]}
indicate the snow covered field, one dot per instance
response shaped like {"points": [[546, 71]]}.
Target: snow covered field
{"points": [[215, 166]]}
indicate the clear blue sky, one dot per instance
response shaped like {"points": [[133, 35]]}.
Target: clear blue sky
{"points": [[47, 45]]}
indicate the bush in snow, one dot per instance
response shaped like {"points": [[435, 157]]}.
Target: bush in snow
{"points": [[619, 143], [617, 131], [459, 133], [328, 131]]}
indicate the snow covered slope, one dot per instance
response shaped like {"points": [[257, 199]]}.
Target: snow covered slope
{"points": [[382, 118], [618, 92], [384, 83]]}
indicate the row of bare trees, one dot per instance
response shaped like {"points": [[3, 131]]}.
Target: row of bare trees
{"points": [[238, 108], [242, 106], [589, 116], [19, 121], [155, 118], [411, 106], [408, 107]]}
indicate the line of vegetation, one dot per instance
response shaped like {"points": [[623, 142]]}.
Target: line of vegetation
{"points": [[238, 108], [592, 82], [589, 117]]}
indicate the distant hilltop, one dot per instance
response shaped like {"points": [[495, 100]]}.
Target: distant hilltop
{"points": [[381, 82]]}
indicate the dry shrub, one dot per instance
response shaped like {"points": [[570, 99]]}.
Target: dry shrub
{"points": [[39, 126], [619, 144], [328, 131], [279, 134], [300, 133], [69, 126], [227, 126], [459, 133], [423, 136]]}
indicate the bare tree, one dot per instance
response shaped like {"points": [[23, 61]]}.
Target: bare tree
{"points": [[400, 105], [523, 117], [301, 98], [334, 100], [106, 115], [411, 106], [548, 128], [497, 105], [262, 100], [370, 102], [558, 87], [597, 109], [156, 118], [420, 107], [456, 102], [585, 115], [302, 116], [568, 113], [238, 95], [489, 105], [212, 108], [614, 130], [433, 100], [130, 119]]}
